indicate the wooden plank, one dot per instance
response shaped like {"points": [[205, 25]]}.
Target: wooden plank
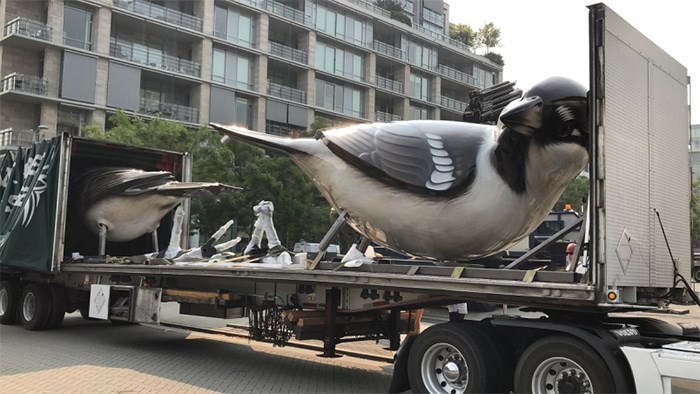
{"points": [[194, 294]]}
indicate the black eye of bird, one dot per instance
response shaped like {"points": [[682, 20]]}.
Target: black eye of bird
{"points": [[566, 129]]}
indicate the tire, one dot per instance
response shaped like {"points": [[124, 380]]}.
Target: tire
{"points": [[696, 274], [454, 358], [58, 305], [546, 367], [35, 307], [9, 302]]}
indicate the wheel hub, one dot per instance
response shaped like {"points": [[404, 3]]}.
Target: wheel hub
{"points": [[561, 375], [29, 307], [444, 370]]}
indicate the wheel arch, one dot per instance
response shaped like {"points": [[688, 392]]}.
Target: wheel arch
{"points": [[600, 340]]}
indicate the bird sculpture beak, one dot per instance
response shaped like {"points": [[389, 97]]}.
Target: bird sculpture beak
{"points": [[524, 116]]}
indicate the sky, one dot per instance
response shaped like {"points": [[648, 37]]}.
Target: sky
{"points": [[544, 38]]}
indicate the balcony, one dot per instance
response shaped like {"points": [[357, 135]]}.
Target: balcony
{"points": [[452, 104], [25, 83], [286, 52], [13, 139], [29, 28], [380, 116], [286, 92], [155, 59], [389, 50], [456, 75], [390, 84], [169, 111], [156, 11], [285, 11]]}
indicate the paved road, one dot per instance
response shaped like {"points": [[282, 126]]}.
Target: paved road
{"points": [[95, 356]]}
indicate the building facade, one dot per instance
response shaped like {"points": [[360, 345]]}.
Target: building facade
{"points": [[272, 66], [695, 151]]}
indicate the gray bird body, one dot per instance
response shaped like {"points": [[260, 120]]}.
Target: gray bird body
{"points": [[439, 189], [132, 202]]}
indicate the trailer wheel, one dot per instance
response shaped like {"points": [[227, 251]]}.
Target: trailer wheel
{"points": [[696, 274], [35, 307], [58, 305], [9, 302], [453, 358], [562, 365]]}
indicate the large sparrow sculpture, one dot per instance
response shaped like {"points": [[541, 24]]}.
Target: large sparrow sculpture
{"points": [[449, 190]]}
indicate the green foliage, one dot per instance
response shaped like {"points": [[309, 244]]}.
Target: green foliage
{"points": [[576, 194], [463, 33], [299, 212], [319, 123], [695, 215], [495, 57], [489, 36], [395, 9]]}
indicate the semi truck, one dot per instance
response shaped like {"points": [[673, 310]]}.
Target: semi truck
{"points": [[635, 238]]}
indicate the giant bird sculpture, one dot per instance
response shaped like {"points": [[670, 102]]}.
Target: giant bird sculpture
{"points": [[122, 204], [449, 190]]}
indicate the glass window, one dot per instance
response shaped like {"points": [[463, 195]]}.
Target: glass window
{"points": [[321, 18], [219, 66], [245, 29], [242, 114], [77, 27], [243, 74], [220, 21]]}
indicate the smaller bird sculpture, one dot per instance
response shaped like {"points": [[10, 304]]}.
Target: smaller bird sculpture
{"points": [[121, 204]]}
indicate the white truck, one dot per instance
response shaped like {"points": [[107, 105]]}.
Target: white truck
{"points": [[636, 240]]}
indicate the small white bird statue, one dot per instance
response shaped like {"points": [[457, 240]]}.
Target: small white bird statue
{"points": [[122, 204], [449, 190]]}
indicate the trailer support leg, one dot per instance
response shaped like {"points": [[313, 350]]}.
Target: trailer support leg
{"points": [[154, 237], [329, 340], [103, 240], [394, 336]]}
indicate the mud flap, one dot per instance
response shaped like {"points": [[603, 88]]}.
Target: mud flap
{"points": [[399, 380]]}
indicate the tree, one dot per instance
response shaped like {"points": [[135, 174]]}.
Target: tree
{"points": [[695, 215], [489, 36], [396, 10], [495, 57], [463, 33], [576, 194], [299, 212]]}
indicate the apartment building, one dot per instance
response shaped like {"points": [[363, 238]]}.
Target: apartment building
{"points": [[272, 66]]}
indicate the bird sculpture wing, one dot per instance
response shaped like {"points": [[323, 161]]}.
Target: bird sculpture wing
{"points": [[428, 157]]}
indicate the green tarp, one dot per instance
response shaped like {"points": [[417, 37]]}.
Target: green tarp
{"points": [[28, 194]]}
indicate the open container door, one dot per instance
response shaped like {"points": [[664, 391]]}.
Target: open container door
{"points": [[640, 164]]}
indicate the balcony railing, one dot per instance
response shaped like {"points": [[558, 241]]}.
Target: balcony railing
{"points": [[156, 11], [284, 11], [28, 27], [286, 52], [281, 129], [169, 111], [390, 50], [389, 84], [155, 59], [286, 92], [452, 104], [370, 5], [25, 83], [12, 139], [380, 116], [456, 74]]}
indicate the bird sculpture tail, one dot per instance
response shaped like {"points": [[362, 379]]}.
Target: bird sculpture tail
{"points": [[263, 140]]}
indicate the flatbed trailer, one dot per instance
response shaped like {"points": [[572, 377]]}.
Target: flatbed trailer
{"points": [[640, 127]]}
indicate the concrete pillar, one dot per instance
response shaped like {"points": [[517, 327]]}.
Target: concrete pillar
{"points": [[259, 114], [371, 69], [402, 108], [261, 32], [52, 69], [370, 104], [307, 43], [203, 54], [101, 82], [307, 82], [205, 10], [260, 81], [55, 20], [102, 30], [200, 98], [98, 116], [436, 93], [49, 117]]}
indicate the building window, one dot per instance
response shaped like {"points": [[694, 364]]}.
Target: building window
{"points": [[243, 112], [339, 98], [233, 69], [421, 56], [77, 27], [434, 17], [419, 87], [343, 26], [234, 26], [340, 62], [416, 112]]}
